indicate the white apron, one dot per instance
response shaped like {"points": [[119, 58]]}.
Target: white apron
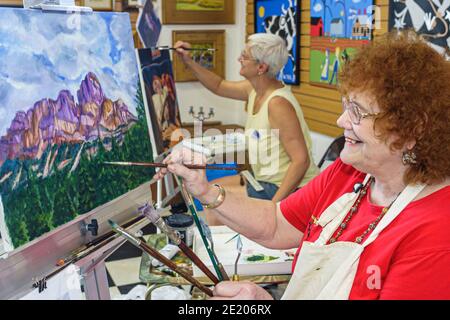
{"points": [[327, 271]]}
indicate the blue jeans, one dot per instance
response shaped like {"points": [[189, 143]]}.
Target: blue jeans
{"points": [[267, 194]]}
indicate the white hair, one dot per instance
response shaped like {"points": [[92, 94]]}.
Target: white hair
{"points": [[269, 49]]}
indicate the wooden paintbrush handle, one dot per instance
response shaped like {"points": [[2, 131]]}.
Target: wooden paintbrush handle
{"points": [[155, 254], [199, 263]]}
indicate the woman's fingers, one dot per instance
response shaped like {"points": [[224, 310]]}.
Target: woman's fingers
{"points": [[239, 290]]}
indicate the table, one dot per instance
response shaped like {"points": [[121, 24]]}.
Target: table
{"points": [[155, 277]]}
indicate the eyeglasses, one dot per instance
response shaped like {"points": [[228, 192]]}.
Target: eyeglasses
{"points": [[354, 111], [244, 56]]}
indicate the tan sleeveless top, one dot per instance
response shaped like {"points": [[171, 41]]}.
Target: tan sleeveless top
{"points": [[267, 156]]}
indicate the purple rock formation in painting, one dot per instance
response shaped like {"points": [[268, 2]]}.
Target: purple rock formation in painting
{"points": [[64, 120], [90, 91]]}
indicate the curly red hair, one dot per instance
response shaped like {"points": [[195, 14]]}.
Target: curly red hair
{"points": [[411, 83]]}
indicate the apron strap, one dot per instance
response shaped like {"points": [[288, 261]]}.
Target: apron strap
{"points": [[406, 196], [340, 205]]}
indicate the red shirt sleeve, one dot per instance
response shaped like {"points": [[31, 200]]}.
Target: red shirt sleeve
{"points": [[298, 207]]}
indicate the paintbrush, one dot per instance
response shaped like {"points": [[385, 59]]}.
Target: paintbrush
{"points": [[187, 49], [239, 246], [190, 204], [208, 235], [153, 215], [163, 165], [155, 254]]}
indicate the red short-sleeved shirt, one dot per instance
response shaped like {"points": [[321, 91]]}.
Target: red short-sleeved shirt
{"points": [[410, 259]]}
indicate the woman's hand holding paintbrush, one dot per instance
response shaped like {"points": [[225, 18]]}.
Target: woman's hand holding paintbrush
{"points": [[194, 181]]}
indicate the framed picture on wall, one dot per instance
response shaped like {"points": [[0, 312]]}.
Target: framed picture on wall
{"points": [[11, 3], [198, 11], [337, 30], [426, 18], [99, 5], [212, 60], [130, 4], [280, 17]]}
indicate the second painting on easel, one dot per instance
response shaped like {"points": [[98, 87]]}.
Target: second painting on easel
{"points": [[162, 103]]}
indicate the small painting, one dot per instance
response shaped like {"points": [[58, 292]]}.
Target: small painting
{"points": [[200, 5], [198, 11], [131, 4], [99, 5], [338, 29], [148, 25], [204, 39], [280, 17]]}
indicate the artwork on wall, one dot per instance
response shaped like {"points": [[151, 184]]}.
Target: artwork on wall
{"points": [[338, 29], [198, 11], [280, 17], [212, 60], [148, 25], [99, 5], [11, 3], [162, 104], [70, 100], [131, 4], [431, 19]]}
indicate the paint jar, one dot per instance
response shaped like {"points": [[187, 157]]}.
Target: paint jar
{"points": [[184, 224]]}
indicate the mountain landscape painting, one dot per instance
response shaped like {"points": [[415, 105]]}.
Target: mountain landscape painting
{"points": [[70, 99]]}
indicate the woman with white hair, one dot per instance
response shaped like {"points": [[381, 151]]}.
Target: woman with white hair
{"points": [[279, 139]]}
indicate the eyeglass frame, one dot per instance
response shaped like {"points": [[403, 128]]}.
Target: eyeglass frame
{"points": [[354, 110], [241, 57]]}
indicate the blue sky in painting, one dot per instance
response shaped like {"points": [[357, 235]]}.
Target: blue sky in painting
{"points": [[345, 9], [44, 53]]}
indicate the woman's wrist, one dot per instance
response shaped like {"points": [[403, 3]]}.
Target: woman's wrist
{"points": [[188, 62], [209, 194]]}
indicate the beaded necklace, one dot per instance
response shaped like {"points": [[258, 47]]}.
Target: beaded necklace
{"points": [[354, 210]]}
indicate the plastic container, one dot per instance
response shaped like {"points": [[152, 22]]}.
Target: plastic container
{"points": [[184, 224]]}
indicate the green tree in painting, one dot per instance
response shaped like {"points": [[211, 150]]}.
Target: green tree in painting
{"points": [[39, 204]]}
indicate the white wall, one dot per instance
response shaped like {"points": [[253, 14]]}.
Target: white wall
{"points": [[227, 110], [193, 93]]}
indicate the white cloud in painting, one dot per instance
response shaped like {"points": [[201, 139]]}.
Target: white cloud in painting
{"points": [[41, 55], [318, 7]]}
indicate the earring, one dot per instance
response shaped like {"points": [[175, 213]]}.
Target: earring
{"points": [[409, 157]]}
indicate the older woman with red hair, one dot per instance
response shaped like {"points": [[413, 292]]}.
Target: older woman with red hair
{"points": [[375, 224]]}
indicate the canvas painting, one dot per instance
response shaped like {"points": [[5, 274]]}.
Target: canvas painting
{"points": [[431, 19], [70, 99], [148, 25], [211, 60], [200, 5], [280, 17], [162, 104], [198, 11], [338, 29]]}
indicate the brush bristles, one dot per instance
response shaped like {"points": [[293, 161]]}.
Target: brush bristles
{"points": [[151, 214]]}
